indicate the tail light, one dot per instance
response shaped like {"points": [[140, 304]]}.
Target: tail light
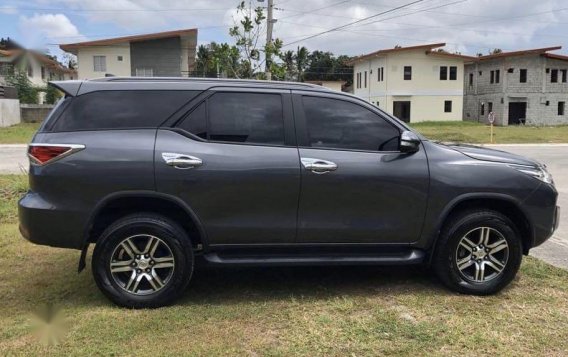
{"points": [[41, 154]]}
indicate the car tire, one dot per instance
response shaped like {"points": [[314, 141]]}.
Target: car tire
{"points": [[143, 261], [479, 252]]}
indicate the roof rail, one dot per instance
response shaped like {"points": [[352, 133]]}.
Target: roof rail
{"points": [[199, 79]]}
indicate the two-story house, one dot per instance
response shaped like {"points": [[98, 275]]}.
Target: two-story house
{"points": [[529, 86], [38, 67], [418, 83], [163, 54]]}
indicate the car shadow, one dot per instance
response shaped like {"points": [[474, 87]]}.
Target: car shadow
{"points": [[236, 285]]}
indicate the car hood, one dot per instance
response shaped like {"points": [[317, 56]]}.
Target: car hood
{"points": [[486, 154]]}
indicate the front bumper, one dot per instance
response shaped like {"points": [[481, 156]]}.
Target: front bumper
{"points": [[46, 224], [543, 213]]}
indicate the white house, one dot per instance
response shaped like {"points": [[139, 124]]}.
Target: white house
{"points": [[418, 83], [39, 68], [163, 54]]}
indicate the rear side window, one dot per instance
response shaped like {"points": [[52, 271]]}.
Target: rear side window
{"points": [[339, 124], [255, 118], [121, 109]]}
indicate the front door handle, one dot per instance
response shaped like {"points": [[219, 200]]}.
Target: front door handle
{"points": [[318, 166], [181, 161]]}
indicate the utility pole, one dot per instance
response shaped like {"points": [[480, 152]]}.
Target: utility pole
{"points": [[269, 23]]}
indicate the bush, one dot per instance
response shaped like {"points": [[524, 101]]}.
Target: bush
{"points": [[27, 93], [52, 95]]}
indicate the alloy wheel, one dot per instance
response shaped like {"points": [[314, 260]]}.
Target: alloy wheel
{"points": [[142, 264], [482, 254]]}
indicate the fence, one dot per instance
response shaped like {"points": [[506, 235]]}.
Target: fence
{"points": [[34, 113]]}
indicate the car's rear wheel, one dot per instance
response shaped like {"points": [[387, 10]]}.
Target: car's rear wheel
{"points": [[479, 252], [143, 261]]}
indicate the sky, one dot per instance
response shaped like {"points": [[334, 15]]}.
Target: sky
{"points": [[466, 26]]}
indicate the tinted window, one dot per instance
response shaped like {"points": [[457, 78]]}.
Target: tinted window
{"points": [[196, 121], [246, 118], [121, 109], [339, 124]]}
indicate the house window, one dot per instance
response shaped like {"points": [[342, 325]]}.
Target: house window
{"points": [[482, 108], [407, 73], [380, 74], [554, 76], [471, 79], [564, 73], [42, 72], [489, 107], [453, 73], [447, 106], [492, 77], [99, 64], [30, 71], [144, 72], [119, 58], [561, 108], [497, 76], [365, 79], [443, 73], [523, 76]]}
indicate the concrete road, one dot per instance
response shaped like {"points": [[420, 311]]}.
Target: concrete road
{"points": [[555, 251], [13, 159]]}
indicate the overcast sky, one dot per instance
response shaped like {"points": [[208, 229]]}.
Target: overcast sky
{"points": [[468, 26]]}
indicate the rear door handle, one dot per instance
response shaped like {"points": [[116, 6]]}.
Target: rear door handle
{"points": [[181, 161], [318, 166]]}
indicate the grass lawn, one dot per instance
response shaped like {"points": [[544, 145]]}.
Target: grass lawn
{"points": [[470, 132], [320, 311], [18, 134]]}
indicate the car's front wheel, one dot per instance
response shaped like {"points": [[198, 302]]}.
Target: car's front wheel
{"points": [[479, 252], [143, 261]]}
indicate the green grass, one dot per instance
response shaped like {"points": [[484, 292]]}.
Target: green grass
{"points": [[470, 132], [18, 134], [324, 311]]}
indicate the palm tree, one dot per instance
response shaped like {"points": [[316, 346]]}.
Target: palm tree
{"points": [[301, 58], [288, 59]]}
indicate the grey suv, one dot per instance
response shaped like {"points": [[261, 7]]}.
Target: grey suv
{"points": [[160, 173]]}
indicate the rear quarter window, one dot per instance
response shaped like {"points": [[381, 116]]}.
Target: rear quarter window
{"points": [[121, 109]]}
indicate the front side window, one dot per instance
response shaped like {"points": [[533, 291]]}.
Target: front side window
{"points": [[255, 118], [561, 108], [407, 73], [564, 75], [99, 63], [447, 106], [338, 124]]}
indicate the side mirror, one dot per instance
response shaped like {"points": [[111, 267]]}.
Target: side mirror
{"points": [[409, 142]]}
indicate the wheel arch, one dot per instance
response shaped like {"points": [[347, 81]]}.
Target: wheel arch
{"points": [[504, 204], [120, 204]]}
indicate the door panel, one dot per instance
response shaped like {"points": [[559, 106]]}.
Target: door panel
{"points": [[368, 198], [241, 193], [356, 185]]}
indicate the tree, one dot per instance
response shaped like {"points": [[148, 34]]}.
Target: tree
{"points": [[52, 95], [247, 32], [27, 93], [324, 66], [301, 59]]}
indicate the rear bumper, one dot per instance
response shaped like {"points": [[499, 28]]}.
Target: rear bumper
{"points": [[41, 222]]}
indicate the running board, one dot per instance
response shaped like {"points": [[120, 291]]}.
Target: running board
{"points": [[409, 257]]}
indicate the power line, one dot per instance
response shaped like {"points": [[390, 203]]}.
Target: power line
{"points": [[355, 22], [110, 10]]}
